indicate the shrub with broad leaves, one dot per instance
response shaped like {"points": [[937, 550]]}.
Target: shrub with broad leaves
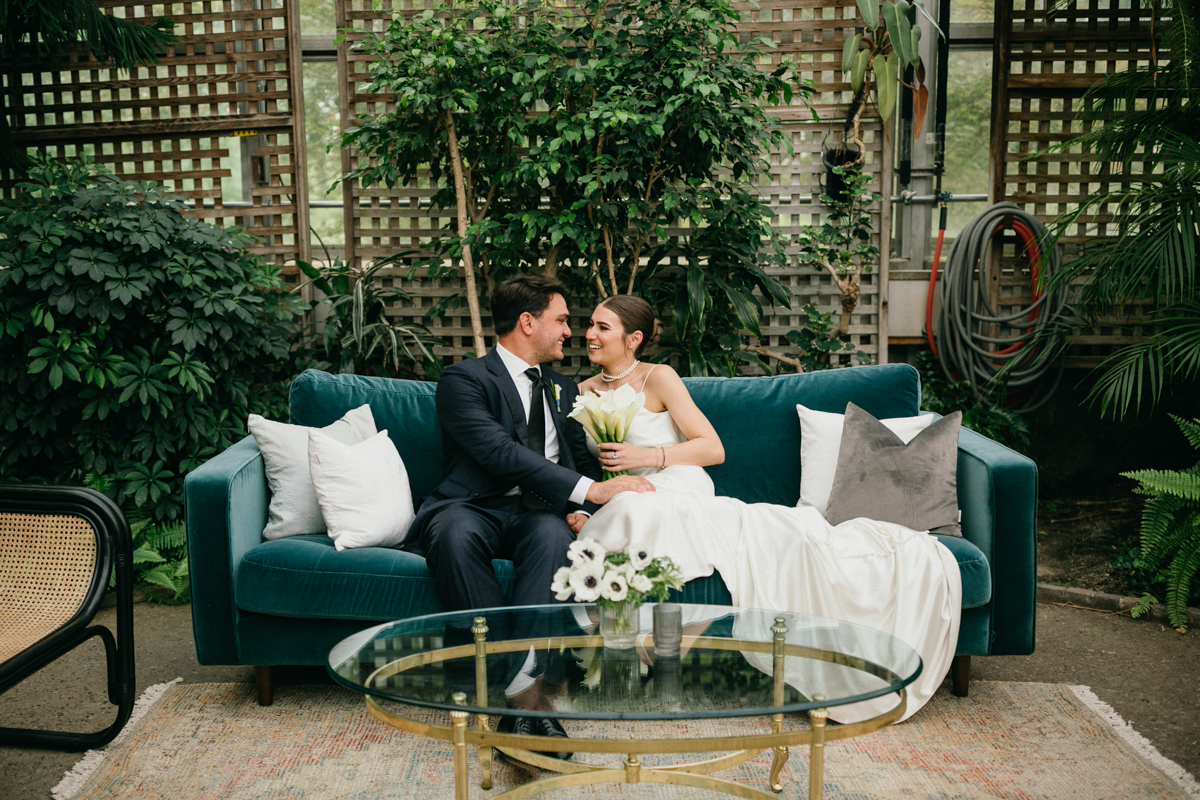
{"points": [[134, 340]]}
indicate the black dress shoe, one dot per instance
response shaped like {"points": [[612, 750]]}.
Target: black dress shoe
{"points": [[535, 726]]}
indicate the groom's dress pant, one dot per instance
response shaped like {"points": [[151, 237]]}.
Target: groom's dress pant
{"points": [[461, 539]]}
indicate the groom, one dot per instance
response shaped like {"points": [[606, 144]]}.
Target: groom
{"points": [[514, 468], [514, 465]]}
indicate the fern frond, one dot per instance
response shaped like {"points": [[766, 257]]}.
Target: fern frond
{"points": [[1180, 483], [1179, 578], [1190, 428], [1161, 532], [167, 538], [146, 556], [159, 578], [1143, 605]]}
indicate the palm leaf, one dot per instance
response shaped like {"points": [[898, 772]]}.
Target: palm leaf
{"points": [[1141, 370]]}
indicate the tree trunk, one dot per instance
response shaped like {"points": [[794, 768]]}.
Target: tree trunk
{"points": [[460, 194], [850, 293]]}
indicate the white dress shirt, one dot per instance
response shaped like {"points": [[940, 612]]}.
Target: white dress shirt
{"points": [[516, 367]]}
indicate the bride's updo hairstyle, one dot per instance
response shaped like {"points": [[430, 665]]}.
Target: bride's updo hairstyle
{"points": [[635, 314]]}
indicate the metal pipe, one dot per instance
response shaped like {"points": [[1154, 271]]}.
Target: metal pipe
{"points": [[908, 198]]}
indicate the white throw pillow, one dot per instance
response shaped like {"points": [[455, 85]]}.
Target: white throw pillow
{"points": [[294, 508], [820, 442], [363, 490]]}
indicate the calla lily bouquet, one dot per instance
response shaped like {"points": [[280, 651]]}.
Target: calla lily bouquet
{"points": [[609, 579], [606, 416]]}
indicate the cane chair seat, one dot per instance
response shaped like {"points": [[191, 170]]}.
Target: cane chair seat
{"points": [[47, 565], [59, 545]]}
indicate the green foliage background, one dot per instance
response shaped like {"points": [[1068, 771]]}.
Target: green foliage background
{"points": [[134, 341], [626, 128]]}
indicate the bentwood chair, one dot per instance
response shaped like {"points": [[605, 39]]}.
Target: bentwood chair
{"points": [[58, 547]]}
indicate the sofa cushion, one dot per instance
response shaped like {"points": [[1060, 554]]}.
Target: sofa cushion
{"points": [[305, 576], [973, 566]]}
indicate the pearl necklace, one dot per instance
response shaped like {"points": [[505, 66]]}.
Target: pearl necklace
{"points": [[604, 376]]}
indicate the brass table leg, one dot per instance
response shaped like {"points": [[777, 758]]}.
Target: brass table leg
{"points": [[483, 752], [779, 630], [816, 752], [459, 721]]}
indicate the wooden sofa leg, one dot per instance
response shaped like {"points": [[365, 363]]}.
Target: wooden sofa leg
{"points": [[960, 675], [266, 692]]}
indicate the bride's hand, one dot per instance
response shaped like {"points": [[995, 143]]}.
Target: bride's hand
{"points": [[576, 522], [617, 456]]}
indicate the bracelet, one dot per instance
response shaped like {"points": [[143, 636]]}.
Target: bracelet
{"points": [[663, 451]]}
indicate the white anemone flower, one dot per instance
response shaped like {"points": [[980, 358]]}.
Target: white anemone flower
{"points": [[614, 587], [586, 580], [640, 583], [639, 558], [586, 551], [561, 586]]}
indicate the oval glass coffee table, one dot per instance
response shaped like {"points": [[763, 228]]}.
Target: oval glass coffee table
{"points": [[550, 662]]}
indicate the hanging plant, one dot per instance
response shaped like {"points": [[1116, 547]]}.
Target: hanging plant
{"points": [[878, 55]]}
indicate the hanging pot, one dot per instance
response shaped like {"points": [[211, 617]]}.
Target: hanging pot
{"points": [[835, 185]]}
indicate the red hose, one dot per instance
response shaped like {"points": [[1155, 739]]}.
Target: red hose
{"points": [[937, 258]]}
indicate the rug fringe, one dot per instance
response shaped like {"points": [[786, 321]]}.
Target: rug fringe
{"points": [[73, 781], [1138, 742]]}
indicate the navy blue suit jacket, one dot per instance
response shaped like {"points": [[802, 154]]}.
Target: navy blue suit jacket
{"points": [[485, 441]]}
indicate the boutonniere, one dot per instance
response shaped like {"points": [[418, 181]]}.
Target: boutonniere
{"points": [[556, 390]]}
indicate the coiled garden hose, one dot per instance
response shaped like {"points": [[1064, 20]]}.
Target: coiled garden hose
{"points": [[969, 324]]}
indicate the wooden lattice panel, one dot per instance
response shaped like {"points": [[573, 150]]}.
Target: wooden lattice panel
{"points": [[381, 222], [227, 89], [1044, 61]]}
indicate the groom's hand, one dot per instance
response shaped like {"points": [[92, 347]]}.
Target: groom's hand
{"points": [[601, 492]]}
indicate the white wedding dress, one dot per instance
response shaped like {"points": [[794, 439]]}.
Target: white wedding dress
{"points": [[878, 575]]}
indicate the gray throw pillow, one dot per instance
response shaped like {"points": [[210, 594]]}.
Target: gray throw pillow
{"points": [[879, 477]]}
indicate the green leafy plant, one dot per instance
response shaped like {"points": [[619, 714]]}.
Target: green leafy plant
{"points": [[1144, 252], [578, 138], [841, 245], [356, 335], [160, 565], [134, 340], [940, 395], [815, 340], [1171, 525], [881, 54]]}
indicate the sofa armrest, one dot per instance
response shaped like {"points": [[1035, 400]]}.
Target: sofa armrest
{"points": [[997, 493], [225, 502]]}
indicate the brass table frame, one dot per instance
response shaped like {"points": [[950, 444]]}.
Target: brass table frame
{"points": [[522, 747]]}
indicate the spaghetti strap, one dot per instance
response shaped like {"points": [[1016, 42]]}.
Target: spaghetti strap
{"points": [[648, 377]]}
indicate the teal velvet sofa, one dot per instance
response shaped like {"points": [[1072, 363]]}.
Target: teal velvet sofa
{"points": [[289, 601]]}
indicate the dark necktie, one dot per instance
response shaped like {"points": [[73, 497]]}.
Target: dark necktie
{"points": [[537, 428], [537, 412]]}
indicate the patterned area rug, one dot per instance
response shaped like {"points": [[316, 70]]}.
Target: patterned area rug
{"points": [[1007, 740]]}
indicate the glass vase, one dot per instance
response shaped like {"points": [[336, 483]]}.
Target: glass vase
{"points": [[620, 624]]}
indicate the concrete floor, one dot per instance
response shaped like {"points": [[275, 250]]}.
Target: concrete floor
{"points": [[1149, 674]]}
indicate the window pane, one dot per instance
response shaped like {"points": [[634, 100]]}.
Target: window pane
{"points": [[323, 127], [966, 10], [317, 18], [968, 122]]}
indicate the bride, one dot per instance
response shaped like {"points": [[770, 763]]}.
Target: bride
{"points": [[876, 574]]}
